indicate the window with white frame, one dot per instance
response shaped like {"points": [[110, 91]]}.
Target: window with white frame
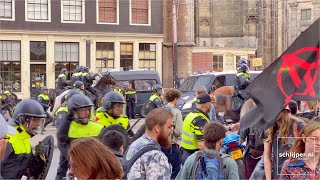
{"points": [[38, 51], [140, 11], [72, 10], [305, 14], [108, 11], [6, 9], [147, 56], [217, 63], [38, 10], [66, 52], [66, 55], [105, 56], [10, 64]]}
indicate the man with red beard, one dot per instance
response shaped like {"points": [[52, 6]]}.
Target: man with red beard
{"points": [[144, 158]]}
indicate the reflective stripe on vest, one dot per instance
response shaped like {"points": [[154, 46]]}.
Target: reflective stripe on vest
{"points": [[62, 76], [84, 74], [77, 74], [44, 97], [246, 75], [131, 92], [62, 108], [7, 92], [188, 137], [118, 91], [20, 142], [78, 130], [105, 119], [153, 97]]}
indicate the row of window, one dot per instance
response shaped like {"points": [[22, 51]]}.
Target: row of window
{"points": [[73, 11], [66, 54], [229, 62]]}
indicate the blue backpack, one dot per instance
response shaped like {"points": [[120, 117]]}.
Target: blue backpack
{"points": [[206, 164]]}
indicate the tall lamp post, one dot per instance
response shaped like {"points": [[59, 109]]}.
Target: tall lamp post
{"points": [[176, 83]]}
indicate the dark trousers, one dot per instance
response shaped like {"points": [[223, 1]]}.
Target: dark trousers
{"points": [[173, 157], [184, 154], [130, 109], [62, 168], [249, 164]]}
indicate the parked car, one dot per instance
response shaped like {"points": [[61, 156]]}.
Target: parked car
{"points": [[211, 81], [141, 81]]}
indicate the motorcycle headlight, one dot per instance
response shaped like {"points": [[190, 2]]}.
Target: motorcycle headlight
{"points": [[187, 105]]}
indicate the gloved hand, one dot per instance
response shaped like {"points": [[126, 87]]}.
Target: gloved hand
{"points": [[39, 153], [38, 149], [45, 106]]}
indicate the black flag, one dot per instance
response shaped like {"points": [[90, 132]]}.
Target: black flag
{"points": [[294, 75]]}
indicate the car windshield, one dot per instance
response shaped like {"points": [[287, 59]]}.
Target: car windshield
{"points": [[192, 83]]}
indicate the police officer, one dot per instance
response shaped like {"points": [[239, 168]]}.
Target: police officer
{"points": [[111, 110], [242, 77], [45, 101], [62, 81], [242, 80], [77, 75], [117, 89], [243, 61], [63, 109], [77, 123], [19, 159], [78, 85], [7, 98], [192, 135], [131, 99], [87, 80], [61, 115], [7, 91], [155, 100]]}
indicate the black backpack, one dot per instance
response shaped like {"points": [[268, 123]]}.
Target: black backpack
{"points": [[127, 164]]}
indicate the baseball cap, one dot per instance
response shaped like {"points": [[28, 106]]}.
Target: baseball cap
{"points": [[203, 98], [5, 128]]}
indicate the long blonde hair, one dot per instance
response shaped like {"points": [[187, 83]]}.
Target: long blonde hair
{"points": [[299, 145], [312, 105], [283, 122]]}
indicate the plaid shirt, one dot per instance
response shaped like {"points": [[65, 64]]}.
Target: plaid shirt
{"points": [[297, 169]]}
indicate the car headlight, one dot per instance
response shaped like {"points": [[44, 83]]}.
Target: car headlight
{"points": [[187, 105]]}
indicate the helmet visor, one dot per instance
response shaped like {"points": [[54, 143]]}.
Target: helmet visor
{"points": [[83, 115]]}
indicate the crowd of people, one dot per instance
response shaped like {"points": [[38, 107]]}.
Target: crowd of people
{"points": [[171, 147]]}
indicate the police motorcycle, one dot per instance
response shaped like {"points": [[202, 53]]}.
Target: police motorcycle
{"points": [[233, 147]]}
